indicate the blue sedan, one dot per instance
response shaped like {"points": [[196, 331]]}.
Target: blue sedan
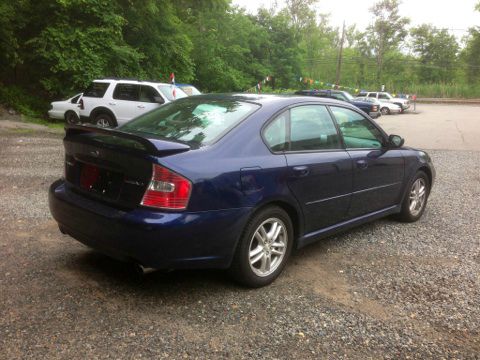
{"points": [[234, 181]]}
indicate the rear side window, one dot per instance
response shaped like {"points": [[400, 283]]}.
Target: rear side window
{"points": [[383, 96], [374, 95], [129, 92], [312, 128], [275, 134], [75, 99], [192, 120], [96, 89]]}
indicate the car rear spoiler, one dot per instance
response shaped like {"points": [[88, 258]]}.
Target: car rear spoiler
{"points": [[152, 145]]}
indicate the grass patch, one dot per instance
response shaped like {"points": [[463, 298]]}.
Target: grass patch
{"points": [[39, 121]]}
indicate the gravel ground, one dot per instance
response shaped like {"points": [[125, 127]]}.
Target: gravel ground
{"points": [[384, 290]]}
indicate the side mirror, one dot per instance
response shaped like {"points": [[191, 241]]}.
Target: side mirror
{"points": [[395, 141], [159, 100]]}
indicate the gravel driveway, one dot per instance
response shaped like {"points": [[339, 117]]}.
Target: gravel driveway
{"points": [[385, 290]]}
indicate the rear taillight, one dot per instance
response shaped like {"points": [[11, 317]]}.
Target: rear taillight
{"points": [[167, 190], [375, 108], [81, 104]]}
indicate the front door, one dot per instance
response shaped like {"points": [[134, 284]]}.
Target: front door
{"points": [[147, 100], [377, 171]]}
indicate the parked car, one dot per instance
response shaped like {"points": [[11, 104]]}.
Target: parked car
{"points": [[113, 102], [385, 107], [234, 181], [67, 110], [386, 97], [371, 109], [190, 90]]}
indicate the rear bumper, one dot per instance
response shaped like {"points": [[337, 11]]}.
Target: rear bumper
{"points": [[153, 239]]}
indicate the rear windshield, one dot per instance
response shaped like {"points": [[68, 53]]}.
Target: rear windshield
{"points": [[96, 89], [167, 91], [191, 120]]}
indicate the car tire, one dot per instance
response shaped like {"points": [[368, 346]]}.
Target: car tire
{"points": [[385, 110], [416, 198], [104, 120], [71, 118], [264, 248]]}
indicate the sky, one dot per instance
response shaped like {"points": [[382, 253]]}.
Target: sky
{"points": [[457, 15]]}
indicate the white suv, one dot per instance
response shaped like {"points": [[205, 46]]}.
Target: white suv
{"points": [[113, 102], [386, 97]]}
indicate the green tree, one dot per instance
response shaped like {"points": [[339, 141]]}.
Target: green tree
{"points": [[471, 53], [437, 51], [387, 31], [155, 31], [70, 42]]}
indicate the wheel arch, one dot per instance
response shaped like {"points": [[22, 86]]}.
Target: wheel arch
{"points": [[427, 171], [102, 110], [293, 212], [70, 112]]}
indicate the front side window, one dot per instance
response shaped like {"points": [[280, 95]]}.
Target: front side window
{"points": [[312, 128], [383, 96], [128, 92], [192, 120], [358, 132], [148, 94], [374, 95]]}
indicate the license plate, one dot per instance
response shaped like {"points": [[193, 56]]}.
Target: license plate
{"points": [[89, 176], [100, 181]]}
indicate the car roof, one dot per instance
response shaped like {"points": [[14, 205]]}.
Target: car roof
{"points": [[131, 81], [273, 99]]}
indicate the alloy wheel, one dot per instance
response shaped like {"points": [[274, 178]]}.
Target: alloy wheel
{"points": [[103, 122], [268, 246], [418, 195]]}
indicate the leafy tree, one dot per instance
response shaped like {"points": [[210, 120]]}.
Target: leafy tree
{"points": [[471, 56], [281, 49], [437, 51], [155, 31], [73, 41], [387, 32], [471, 53], [10, 23], [301, 14]]}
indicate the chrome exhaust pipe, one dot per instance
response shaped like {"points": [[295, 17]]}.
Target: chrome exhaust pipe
{"points": [[142, 270]]}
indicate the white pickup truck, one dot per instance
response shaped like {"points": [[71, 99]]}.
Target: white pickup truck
{"points": [[386, 97]]}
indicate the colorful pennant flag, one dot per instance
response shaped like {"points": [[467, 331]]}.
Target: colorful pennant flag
{"points": [[172, 81]]}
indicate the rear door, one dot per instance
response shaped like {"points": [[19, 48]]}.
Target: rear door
{"points": [[377, 171], [320, 170], [124, 102]]}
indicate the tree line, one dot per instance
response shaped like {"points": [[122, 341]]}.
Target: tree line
{"points": [[52, 48]]}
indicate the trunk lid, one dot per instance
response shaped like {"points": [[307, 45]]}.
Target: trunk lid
{"points": [[112, 166]]}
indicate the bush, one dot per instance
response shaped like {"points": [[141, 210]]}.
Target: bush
{"points": [[23, 102]]}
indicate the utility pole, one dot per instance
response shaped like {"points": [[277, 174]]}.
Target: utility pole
{"points": [[339, 60]]}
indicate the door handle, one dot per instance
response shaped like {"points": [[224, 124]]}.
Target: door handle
{"points": [[301, 171], [362, 164], [112, 103], [141, 107]]}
